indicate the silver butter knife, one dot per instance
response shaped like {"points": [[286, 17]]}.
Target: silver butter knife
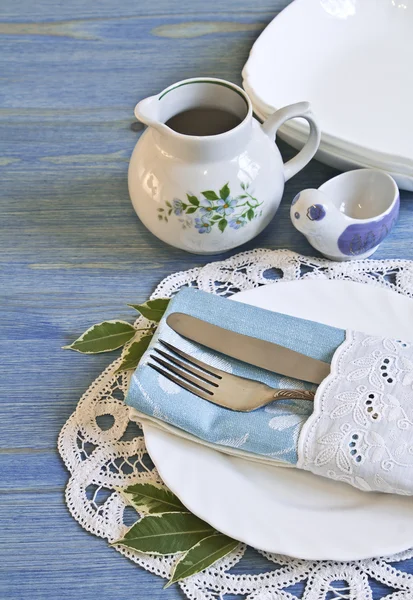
{"points": [[253, 351]]}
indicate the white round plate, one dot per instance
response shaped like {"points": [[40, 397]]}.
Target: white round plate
{"points": [[285, 510], [351, 87], [334, 156], [297, 137]]}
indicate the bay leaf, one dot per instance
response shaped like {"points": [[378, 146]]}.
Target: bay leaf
{"points": [[132, 355], [103, 337], [152, 309], [151, 499], [202, 555], [169, 533]]}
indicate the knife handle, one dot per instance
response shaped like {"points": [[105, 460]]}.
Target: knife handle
{"points": [[294, 395]]}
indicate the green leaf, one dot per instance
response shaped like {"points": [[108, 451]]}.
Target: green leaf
{"points": [[168, 533], [152, 309], [224, 192], [191, 210], [133, 354], [222, 224], [216, 218], [149, 498], [242, 197], [210, 195], [168, 204], [193, 200], [103, 337], [201, 556], [250, 214], [243, 185]]}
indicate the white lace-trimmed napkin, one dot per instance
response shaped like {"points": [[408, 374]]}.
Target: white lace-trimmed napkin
{"points": [[359, 429]]}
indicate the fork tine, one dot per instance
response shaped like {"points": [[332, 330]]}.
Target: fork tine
{"points": [[187, 367], [183, 374], [207, 368], [194, 390]]}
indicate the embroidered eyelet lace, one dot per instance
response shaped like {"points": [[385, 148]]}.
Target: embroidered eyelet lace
{"points": [[100, 459], [361, 429]]}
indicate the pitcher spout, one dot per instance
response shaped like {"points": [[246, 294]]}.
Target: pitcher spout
{"points": [[147, 111]]}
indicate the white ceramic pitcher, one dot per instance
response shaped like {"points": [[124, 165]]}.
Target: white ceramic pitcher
{"points": [[210, 193]]}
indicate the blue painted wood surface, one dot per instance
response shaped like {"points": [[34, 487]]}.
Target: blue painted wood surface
{"points": [[73, 252]]}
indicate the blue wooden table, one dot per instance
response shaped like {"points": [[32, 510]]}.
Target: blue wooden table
{"points": [[73, 252]]}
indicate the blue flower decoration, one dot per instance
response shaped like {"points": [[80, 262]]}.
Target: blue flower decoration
{"points": [[207, 207], [218, 209], [226, 207], [316, 212], [237, 223], [203, 225], [177, 206]]}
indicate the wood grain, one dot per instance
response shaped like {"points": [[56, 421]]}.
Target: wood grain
{"points": [[74, 253]]}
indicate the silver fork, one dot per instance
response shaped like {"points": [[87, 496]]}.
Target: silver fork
{"points": [[219, 387]]}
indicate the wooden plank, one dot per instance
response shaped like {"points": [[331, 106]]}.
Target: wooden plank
{"points": [[48, 555], [31, 479], [128, 9]]}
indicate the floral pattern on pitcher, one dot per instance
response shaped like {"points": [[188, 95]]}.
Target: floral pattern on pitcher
{"points": [[212, 209]]}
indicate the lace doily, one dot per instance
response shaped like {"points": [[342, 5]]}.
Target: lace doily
{"points": [[102, 450]]}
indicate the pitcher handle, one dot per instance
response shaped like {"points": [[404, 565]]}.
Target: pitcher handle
{"points": [[300, 109]]}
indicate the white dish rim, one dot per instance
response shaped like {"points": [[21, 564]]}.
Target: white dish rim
{"points": [[401, 163]]}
